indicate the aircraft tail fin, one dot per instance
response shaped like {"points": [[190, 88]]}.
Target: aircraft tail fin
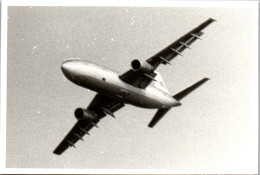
{"points": [[159, 114], [159, 83], [179, 96]]}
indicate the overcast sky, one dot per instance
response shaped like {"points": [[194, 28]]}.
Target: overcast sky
{"points": [[211, 130]]}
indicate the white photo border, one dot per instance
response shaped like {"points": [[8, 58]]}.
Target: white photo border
{"points": [[6, 3]]}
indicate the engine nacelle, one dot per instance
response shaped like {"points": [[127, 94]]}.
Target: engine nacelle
{"points": [[141, 66], [83, 114]]}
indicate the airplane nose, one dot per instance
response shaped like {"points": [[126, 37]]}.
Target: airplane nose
{"points": [[73, 69], [67, 68]]}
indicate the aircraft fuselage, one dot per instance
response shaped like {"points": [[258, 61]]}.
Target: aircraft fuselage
{"points": [[107, 82]]}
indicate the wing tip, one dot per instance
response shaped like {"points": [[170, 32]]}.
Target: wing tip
{"points": [[59, 150], [205, 79], [150, 125], [56, 153], [212, 20]]}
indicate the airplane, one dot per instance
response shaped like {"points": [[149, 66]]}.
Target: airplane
{"points": [[140, 86]]}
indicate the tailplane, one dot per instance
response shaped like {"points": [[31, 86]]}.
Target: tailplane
{"points": [[179, 96], [159, 114]]}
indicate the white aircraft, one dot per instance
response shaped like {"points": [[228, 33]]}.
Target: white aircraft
{"points": [[132, 87]]}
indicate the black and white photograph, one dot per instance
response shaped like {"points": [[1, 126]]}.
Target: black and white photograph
{"points": [[161, 86]]}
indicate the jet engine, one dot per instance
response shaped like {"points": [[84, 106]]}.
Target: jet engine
{"points": [[141, 66], [83, 114]]}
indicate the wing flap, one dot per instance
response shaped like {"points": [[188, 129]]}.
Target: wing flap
{"points": [[99, 106], [165, 56], [136, 79], [76, 133], [180, 45], [102, 105]]}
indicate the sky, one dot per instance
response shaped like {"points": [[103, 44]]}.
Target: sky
{"points": [[213, 129]]}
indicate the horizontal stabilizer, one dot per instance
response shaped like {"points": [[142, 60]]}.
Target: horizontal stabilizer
{"points": [[159, 114], [188, 90]]}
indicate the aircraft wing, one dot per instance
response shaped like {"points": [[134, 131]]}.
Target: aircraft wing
{"points": [[165, 56], [100, 106]]}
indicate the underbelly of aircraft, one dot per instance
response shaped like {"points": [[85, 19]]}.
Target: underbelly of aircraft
{"points": [[113, 87]]}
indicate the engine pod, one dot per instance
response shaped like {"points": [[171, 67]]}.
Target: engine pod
{"points": [[141, 66], [83, 114]]}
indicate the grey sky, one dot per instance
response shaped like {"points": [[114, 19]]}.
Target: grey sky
{"points": [[211, 130]]}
